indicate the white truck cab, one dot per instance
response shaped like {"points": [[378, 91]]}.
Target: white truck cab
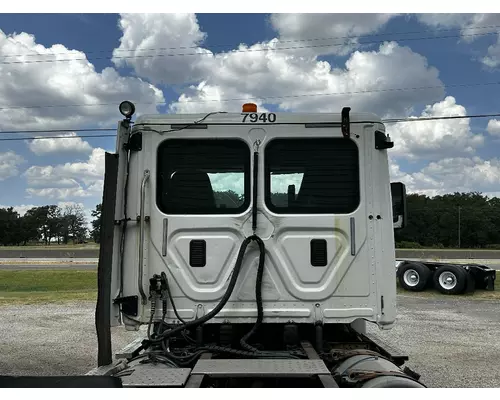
{"points": [[321, 196], [254, 246]]}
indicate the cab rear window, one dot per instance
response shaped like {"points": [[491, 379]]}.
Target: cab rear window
{"points": [[203, 176], [312, 176]]}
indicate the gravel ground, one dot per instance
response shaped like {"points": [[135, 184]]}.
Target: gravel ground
{"points": [[451, 343]]}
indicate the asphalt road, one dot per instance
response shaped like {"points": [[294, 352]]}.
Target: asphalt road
{"points": [[20, 252], [451, 343]]}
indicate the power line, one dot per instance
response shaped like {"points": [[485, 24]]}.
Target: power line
{"points": [[55, 137], [241, 51], [63, 131], [279, 40], [389, 121], [399, 120], [454, 85]]}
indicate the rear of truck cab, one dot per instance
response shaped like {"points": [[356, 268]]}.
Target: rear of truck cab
{"points": [[323, 211]]}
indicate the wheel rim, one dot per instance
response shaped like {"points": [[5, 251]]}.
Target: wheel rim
{"points": [[447, 280], [411, 277]]}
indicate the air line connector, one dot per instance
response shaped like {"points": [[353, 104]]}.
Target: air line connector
{"points": [[154, 286], [345, 123]]}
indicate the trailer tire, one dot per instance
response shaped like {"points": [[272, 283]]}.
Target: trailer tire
{"points": [[450, 279], [413, 276]]}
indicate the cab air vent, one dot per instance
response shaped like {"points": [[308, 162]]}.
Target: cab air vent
{"points": [[197, 253], [318, 253]]}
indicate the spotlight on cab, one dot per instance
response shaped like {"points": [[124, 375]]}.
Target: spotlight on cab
{"points": [[127, 109]]}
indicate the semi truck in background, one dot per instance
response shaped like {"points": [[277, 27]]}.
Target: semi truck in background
{"points": [[249, 250], [446, 277]]}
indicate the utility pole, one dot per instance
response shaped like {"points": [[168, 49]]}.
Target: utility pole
{"points": [[459, 227]]}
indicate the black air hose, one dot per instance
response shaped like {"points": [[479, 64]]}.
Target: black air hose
{"points": [[258, 297], [169, 293], [225, 298]]}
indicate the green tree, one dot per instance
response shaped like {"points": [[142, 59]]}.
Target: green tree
{"points": [[9, 226], [96, 223], [73, 224]]}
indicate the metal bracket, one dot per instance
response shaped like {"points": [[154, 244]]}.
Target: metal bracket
{"points": [[130, 350], [134, 143], [345, 123], [128, 304], [119, 222], [385, 349], [382, 141], [195, 381], [260, 368], [141, 235], [326, 378]]}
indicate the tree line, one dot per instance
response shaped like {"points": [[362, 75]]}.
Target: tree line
{"points": [[466, 220], [47, 224]]}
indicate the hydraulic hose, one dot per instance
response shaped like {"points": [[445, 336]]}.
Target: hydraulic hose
{"points": [[260, 313], [169, 293], [248, 351], [225, 298], [258, 297]]}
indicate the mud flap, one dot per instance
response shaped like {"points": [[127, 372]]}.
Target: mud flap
{"points": [[103, 307], [490, 282], [470, 285]]}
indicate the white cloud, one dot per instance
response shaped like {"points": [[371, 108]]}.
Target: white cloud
{"points": [[473, 27], [148, 39], [66, 144], [479, 24], [436, 138], [41, 177], [56, 193], [292, 77], [69, 180], [338, 31], [9, 163], [66, 83], [493, 58], [493, 127], [257, 74], [452, 174], [444, 20]]}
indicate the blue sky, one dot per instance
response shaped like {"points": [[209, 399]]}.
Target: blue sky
{"points": [[432, 158]]}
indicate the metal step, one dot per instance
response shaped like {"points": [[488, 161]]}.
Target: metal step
{"points": [[396, 354], [130, 350], [263, 368], [159, 375]]}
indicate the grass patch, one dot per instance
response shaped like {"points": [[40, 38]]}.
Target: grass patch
{"points": [[47, 281], [26, 298], [53, 246], [73, 261], [442, 250], [47, 286], [53, 286]]}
